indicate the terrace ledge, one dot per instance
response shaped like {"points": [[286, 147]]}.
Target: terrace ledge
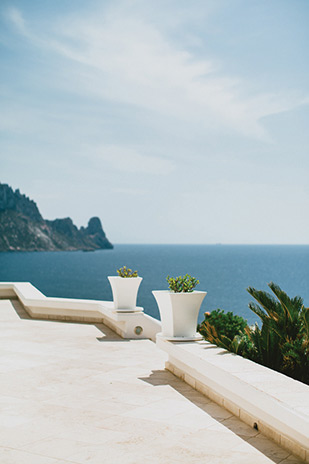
{"points": [[277, 405], [131, 324]]}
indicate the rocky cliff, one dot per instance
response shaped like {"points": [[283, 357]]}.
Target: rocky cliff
{"points": [[22, 228]]}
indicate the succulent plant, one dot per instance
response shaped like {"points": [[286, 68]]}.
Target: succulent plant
{"points": [[180, 284], [126, 272]]}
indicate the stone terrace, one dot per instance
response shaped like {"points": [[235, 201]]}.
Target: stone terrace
{"points": [[78, 393]]}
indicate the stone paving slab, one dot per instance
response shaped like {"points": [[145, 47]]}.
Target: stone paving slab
{"points": [[78, 393]]}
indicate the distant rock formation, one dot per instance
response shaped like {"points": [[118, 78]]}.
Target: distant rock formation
{"points": [[22, 228]]}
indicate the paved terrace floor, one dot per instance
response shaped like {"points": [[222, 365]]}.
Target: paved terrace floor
{"points": [[77, 393]]}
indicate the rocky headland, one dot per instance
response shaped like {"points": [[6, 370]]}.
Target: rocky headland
{"points": [[22, 228]]}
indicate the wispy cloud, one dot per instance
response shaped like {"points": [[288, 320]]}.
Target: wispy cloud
{"points": [[129, 60], [158, 100], [131, 161], [15, 16]]}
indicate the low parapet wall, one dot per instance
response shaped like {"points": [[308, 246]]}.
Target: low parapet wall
{"points": [[273, 403], [133, 324]]}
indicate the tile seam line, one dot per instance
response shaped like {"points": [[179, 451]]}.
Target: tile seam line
{"points": [[3, 448]]}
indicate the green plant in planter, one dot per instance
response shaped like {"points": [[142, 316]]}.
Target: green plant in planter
{"points": [[126, 272], [180, 284]]}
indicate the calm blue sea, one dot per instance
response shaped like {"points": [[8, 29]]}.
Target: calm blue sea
{"points": [[224, 271]]}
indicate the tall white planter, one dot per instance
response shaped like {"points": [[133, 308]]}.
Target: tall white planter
{"points": [[125, 291], [179, 313]]}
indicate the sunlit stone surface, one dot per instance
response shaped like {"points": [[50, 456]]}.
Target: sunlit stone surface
{"points": [[78, 393]]}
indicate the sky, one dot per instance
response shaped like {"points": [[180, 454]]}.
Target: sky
{"points": [[174, 121]]}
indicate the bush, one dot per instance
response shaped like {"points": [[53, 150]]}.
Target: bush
{"points": [[226, 330], [227, 324], [282, 343]]}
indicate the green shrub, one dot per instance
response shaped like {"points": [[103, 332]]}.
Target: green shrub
{"points": [[225, 323], [180, 284], [226, 330], [282, 343], [126, 272]]}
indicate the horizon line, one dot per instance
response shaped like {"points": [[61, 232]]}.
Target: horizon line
{"points": [[214, 244]]}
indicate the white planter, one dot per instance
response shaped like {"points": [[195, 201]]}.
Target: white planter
{"points": [[179, 313], [125, 291]]}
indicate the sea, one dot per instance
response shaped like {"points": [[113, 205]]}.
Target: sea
{"points": [[224, 271]]}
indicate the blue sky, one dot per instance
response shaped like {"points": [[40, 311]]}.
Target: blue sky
{"points": [[173, 121]]}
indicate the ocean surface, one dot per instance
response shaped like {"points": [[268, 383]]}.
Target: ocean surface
{"points": [[224, 271]]}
